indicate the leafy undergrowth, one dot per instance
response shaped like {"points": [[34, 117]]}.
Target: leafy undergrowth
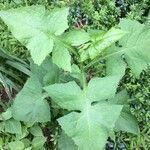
{"points": [[139, 91]]}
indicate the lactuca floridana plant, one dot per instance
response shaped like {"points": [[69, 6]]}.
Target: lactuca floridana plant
{"points": [[95, 108]]}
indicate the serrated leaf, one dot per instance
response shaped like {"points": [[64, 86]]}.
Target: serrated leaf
{"points": [[36, 28], [76, 37], [134, 47], [40, 51], [29, 105], [90, 128], [66, 143], [13, 126], [56, 21], [100, 88], [61, 57], [17, 145]]}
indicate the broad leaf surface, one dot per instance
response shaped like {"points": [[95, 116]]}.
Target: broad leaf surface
{"points": [[102, 88], [67, 95], [61, 57], [90, 128], [29, 105], [134, 46], [127, 122], [36, 28]]}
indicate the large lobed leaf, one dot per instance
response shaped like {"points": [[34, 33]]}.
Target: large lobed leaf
{"points": [[30, 105], [134, 46], [90, 128], [126, 121], [38, 29]]}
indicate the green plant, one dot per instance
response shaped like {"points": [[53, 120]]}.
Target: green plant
{"points": [[95, 108], [139, 104], [15, 135], [10, 66]]}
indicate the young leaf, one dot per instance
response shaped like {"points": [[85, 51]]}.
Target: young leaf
{"points": [[76, 37], [36, 28], [29, 105], [106, 41], [134, 47], [95, 34], [38, 142], [90, 128], [36, 130]]}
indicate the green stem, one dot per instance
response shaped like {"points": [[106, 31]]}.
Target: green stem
{"points": [[83, 80], [92, 63], [96, 60]]}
